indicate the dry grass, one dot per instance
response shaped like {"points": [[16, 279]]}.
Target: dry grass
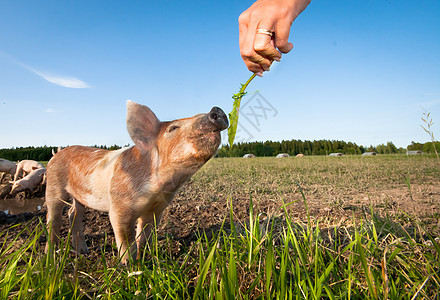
{"points": [[335, 189]]}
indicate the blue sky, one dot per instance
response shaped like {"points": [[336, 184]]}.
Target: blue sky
{"points": [[360, 71]]}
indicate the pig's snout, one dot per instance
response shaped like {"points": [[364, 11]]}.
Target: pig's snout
{"points": [[218, 118]]}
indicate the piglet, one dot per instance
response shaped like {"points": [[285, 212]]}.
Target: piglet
{"points": [[7, 167], [29, 182], [134, 185], [26, 166]]}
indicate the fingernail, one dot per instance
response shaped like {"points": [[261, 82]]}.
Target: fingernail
{"points": [[266, 69], [278, 59], [259, 74]]}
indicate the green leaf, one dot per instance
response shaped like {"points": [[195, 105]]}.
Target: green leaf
{"points": [[204, 271], [233, 115]]}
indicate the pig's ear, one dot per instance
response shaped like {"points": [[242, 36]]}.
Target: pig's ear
{"points": [[142, 125]]}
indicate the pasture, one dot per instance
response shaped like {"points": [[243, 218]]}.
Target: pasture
{"points": [[261, 228]]}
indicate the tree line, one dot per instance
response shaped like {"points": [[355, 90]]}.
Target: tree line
{"points": [[424, 147], [294, 147], [318, 147], [268, 148], [43, 153]]}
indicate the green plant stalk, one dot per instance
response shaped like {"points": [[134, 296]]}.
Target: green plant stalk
{"points": [[233, 115], [428, 130], [363, 259]]}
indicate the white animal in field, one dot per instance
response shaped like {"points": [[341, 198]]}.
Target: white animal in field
{"points": [[29, 182], [7, 167], [134, 185], [25, 167]]}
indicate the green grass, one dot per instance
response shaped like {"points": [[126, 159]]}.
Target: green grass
{"points": [[259, 256], [264, 259]]}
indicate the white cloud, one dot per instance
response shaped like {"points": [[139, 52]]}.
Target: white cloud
{"points": [[52, 111], [61, 80], [65, 81]]}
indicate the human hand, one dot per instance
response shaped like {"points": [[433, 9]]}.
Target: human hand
{"points": [[259, 49]]}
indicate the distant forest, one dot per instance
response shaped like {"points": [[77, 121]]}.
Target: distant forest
{"points": [[37, 153], [321, 147], [268, 148]]}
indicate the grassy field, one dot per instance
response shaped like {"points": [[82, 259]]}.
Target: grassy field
{"points": [[298, 228]]}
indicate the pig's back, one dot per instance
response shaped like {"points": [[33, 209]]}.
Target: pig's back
{"points": [[84, 173]]}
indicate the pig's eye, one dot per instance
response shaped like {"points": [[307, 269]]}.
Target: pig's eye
{"points": [[172, 128]]}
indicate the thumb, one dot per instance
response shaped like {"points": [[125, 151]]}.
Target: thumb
{"points": [[282, 32], [286, 48]]}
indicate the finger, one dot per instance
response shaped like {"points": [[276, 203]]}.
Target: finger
{"points": [[282, 31], [248, 52], [245, 49], [255, 68], [242, 29], [257, 60], [264, 45], [246, 42]]}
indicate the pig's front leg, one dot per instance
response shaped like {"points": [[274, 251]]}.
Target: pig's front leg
{"points": [[18, 173], [124, 228], [145, 225]]}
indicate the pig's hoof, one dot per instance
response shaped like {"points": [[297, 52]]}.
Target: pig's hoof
{"points": [[81, 249], [84, 250]]}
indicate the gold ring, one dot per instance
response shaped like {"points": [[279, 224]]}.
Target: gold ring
{"points": [[265, 31]]}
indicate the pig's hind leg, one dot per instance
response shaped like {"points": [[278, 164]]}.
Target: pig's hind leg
{"points": [[76, 213], [55, 200]]}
